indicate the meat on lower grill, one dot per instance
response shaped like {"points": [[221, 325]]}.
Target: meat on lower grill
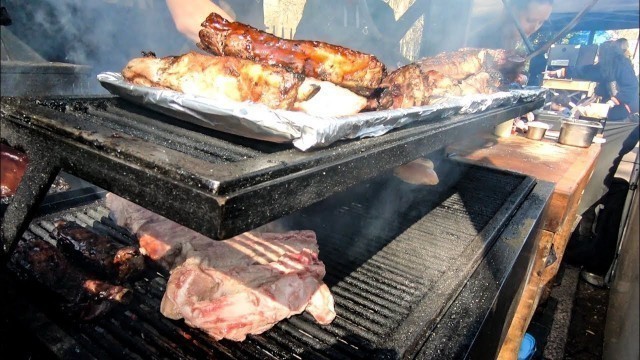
{"points": [[356, 71], [13, 163], [100, 253], [40, 262], [217, 77], [235, 287]]}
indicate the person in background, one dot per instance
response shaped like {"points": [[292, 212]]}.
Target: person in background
{"points": [[624, 46], [617, 82], [595, 241], [188, 15], [362, 25], [503, 33]]}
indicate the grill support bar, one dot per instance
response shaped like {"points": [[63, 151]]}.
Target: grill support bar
{"points": [[219, 201]]}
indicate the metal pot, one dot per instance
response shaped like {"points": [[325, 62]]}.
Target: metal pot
{"points": [[579, 133], [536, 130]]}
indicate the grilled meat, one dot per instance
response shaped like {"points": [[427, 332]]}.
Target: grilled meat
{"points": [[101, 254], [459, 73], [220, 77], [356, 71], [13, 163], [217, 77], [40, 262], [235, 287], [417, 172], [232, 302]]}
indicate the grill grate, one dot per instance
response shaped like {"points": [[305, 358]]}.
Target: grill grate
{"points": [[377, 274]]}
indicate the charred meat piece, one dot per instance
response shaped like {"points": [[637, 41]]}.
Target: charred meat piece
{"points": [[217, 77], [356, 71], [39, 262], [458, 73], [13, 163], [101, 254]]}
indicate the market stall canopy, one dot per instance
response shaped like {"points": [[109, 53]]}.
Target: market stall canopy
{"points": [[605, 15]]}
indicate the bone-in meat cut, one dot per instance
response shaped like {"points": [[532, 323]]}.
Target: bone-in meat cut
{"points": [[236, 287], [217, 77], [356, 71]]}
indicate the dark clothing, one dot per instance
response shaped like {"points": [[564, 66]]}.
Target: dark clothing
{"points": [[490, 35], [626, 85], [361, 25]]}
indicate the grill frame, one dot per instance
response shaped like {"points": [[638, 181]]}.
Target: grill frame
{"points": [[504, 264], [235, 196]]}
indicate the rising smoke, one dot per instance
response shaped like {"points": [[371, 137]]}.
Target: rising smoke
{"points": [[103, 34]]}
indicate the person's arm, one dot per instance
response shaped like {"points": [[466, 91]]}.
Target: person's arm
{"points": [[627, 86], [188, 15]]}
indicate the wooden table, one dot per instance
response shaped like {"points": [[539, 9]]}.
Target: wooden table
{"points": [[570, 169]]}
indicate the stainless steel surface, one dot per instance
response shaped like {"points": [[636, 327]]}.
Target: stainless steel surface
{"points": [[578, 132], [536, 132]]}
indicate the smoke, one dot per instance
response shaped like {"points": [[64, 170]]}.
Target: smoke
{"points": [[102, 34]]}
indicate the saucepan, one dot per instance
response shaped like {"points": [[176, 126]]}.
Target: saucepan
{"points": [[575, 132]]}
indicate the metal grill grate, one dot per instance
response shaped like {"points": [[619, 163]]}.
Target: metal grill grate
{"points": [[381, 257]]}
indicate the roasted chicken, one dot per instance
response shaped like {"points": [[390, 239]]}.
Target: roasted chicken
{"points": [[356, 71]]}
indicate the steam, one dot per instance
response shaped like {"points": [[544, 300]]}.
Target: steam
{"points": [[101, 34]]}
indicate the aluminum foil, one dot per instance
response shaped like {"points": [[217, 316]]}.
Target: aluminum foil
{"points": [[304, 131]]}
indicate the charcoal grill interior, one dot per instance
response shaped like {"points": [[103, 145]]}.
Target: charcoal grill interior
{"points": [[415, 271], [217, 184]]}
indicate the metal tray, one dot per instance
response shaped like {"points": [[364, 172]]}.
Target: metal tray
{"points": [[257, 121]]}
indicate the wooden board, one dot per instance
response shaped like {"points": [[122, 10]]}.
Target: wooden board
{"points": [[571, 85], [570, 169]]}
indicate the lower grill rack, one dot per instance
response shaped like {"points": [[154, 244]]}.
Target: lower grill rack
{"points": [[382, 259]]}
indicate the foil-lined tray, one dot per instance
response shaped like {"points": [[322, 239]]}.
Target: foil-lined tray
{"points": [[304, 131]]}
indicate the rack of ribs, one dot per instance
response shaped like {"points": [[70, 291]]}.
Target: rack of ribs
{"points": [[356, 71]]}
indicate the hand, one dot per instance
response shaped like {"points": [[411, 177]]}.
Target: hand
{"points": [[521, 125], [561, 73]]}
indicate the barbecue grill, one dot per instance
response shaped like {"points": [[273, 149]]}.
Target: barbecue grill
{"points": [[427, 272]]}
